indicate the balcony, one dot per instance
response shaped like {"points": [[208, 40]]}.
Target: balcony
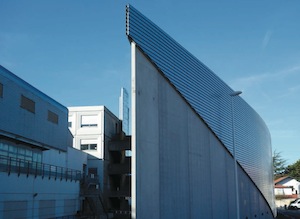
{"points": [[120, 168], [120, 144], [20, 166]]}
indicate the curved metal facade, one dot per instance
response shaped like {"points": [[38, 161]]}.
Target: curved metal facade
{"points": [[210, 97]]}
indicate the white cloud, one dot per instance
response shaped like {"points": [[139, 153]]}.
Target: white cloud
{"points": [[250, 81], [267, 39]]}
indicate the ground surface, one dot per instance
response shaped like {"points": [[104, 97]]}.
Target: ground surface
{"points": [[288, 214]]}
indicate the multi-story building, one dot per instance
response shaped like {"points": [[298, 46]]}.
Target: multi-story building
{"points": [[98, 132], [40, 171]]}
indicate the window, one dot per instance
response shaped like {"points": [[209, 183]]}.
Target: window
{"points": [[89, 121], [88, 144], [1, 90], [27, 104], [52, 117], [70, 124], [9, 149], [88, 147]]}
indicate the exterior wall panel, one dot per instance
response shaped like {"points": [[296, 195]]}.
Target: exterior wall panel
{"points": [[147, 132], [182, 170], [210, 98], [22, 123]]}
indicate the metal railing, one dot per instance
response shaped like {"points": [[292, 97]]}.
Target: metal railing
{"points": [[21, 166]]}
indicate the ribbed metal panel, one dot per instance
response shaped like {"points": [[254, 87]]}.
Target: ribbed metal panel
{"points": [[210, 98]]}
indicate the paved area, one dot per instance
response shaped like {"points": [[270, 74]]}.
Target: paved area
{"points": [[288, 214]]}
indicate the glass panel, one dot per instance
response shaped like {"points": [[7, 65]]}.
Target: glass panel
{"points": [[93, 146], [4, 153], [39, 158], [21, 151], [34, 157], [12, 149], [84, 147], [29, 153], [3, 146]]}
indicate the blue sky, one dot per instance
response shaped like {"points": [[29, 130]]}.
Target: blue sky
{"points": [[77, 51]]}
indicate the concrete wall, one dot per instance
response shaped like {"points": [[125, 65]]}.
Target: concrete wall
{"points": [[179, 168]]}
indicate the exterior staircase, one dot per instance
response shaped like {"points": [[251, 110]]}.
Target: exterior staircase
{"points": [[93, 205], [119, 171]]}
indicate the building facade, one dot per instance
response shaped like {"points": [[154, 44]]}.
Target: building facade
{"points": [[98, 132], [40, 171], [190, 130]]}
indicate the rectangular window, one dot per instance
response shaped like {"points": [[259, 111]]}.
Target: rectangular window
{"points": [[89, 121], [70, 124], [84, 147], [1, 90], [93, 146], [88, 144], [88, 147], [27, 104], [52, 117]]}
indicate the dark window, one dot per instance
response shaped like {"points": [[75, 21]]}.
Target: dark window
{"points": [[93, 146], [93, 171], [89, 125], [88, 146], [1, 90], [84, 147], [27, 104], [52, 117], [70, 124]]}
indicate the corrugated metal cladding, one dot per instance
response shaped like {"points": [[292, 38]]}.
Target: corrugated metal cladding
{"points": [[210, 98]]}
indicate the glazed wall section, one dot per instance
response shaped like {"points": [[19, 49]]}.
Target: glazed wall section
{"points": [[180, 169], [210, 97]]}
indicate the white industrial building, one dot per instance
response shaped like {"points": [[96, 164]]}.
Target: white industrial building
{"points": [[40, 171], [44, 171], [91, 126], [98, 132]]}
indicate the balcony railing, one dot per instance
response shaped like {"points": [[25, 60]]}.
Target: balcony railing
{"points": [[21, 166]]}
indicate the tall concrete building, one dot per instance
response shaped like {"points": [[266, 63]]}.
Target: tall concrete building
{"points": [[124, 110], [198, 149]]}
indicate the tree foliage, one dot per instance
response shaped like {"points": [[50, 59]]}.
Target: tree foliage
{"points": [[294, 170], [279, 165]]}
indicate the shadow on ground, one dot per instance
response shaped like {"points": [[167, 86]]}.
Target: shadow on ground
{"points": [[288, 214]]}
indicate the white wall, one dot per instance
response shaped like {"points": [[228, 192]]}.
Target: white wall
{"points": [[284, 191], [88, 133], [54, 197], [107, 126], [179, 168], [291, 182], [32, 192]]}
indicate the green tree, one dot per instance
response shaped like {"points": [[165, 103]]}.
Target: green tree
{"points": [[279, 165], [294, 170]]}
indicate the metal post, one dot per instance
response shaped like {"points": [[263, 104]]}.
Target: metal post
{"points": [[236, 93]]}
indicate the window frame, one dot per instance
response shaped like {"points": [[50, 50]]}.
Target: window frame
{"points": [[27, 104], [52, 117]]}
